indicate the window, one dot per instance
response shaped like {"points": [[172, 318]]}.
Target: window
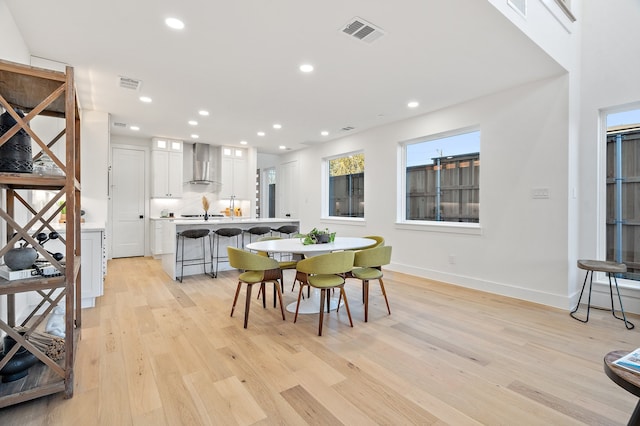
{"points": [[442, 180], [346, 185], [623, 191]]}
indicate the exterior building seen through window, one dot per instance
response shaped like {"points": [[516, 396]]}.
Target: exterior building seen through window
{"points": [[623, 191], [346, 186], [443, 178]]}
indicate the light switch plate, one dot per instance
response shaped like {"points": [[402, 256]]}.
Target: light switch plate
{"points": [[539, 193]]}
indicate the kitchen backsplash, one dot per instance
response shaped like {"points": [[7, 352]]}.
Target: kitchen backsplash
{"points": [[191, 203]]}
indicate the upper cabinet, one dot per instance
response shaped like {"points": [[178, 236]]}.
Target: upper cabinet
{"points": [[234, 173], [166, 168]]}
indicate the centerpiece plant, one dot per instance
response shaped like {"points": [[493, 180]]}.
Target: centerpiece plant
{"points": [[317, 236]]}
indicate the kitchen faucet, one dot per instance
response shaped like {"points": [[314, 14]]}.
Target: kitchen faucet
{"points": [[231, 206]]}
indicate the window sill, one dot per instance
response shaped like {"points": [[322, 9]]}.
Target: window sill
{"points": [[446, 227], [344, 220]]}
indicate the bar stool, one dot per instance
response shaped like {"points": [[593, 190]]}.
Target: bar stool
{"points": [[256, 230], [611, 268], [193, 234], [223, 233], [288, 230]]}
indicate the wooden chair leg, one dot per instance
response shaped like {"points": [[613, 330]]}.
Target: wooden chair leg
{"points": [[247, 305], [295, 318], [323, 292], [264, 297], [384, 293], [365, 290], [329, 294], [235, 298], [277, 289], [346, 304], [275, 283]]}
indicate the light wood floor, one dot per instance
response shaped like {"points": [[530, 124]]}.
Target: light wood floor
{"points": [[156, 352]]}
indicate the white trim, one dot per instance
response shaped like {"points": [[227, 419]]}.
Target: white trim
{"points": [[401, 201], [324, 186], [520, 12], [446, 227], [359, 221]]}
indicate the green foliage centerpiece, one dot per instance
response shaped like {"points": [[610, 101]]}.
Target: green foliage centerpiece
{"points": [[316, 236]]}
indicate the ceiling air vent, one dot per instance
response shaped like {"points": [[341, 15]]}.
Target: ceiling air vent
{"points": [[347, 128], [117, 124], [129, 83], [362, 30]]}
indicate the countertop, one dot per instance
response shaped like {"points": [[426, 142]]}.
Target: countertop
{"points": [[226, 220], [87, 226]]}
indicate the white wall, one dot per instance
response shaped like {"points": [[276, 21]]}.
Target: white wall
{"points": [[522, 249], [548, 26], [94, 152], [12, 48], [610, 64]]}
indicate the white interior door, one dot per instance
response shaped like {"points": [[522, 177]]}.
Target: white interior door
{"points": [[128, 172]]}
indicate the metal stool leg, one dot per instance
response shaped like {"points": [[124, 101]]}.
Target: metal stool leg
{"points": [[628, 324], [572, 313]]}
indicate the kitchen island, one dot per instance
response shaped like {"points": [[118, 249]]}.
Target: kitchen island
{"points": [[164, 233]]}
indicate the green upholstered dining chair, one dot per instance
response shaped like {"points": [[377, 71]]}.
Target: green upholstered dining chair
{"points": [[325, 272], [284, 264], [256, 270], [367, 265], [379, 241]]}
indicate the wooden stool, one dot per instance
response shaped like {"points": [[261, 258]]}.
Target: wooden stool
{"points": [[611, 268]]}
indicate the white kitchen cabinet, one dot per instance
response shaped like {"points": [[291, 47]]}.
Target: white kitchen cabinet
{"points": [[93, 266], [234, 173], [93, 260], [160, 243], [166, 168]]}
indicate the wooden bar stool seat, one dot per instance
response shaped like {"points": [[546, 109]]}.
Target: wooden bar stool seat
{"points": [[610, 268]]}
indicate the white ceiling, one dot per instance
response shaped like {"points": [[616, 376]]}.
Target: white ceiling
{"points": [[239, 60]]}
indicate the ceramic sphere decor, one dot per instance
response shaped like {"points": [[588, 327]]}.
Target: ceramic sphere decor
{"points": [[20, 258], [24, 257]]}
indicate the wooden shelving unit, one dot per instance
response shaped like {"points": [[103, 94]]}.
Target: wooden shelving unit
{"points": [[37, 91]]}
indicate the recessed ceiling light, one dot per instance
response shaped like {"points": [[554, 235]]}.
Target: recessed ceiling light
{"points": [[277, 126], [174, 23], [324, 133], [193, 122], [136, 128], [145, 99], [261, 133], [282, 147], [413, 104], [203, 112], [306, 67], [195, 136], [243, 142]]}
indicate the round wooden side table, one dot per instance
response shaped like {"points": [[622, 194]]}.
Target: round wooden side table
{"points": [[624, 378]]}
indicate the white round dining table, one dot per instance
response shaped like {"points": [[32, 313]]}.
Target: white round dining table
{"points": [[310, 305]]}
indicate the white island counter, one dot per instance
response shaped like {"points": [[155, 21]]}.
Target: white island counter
{"points": [[164, 231]]}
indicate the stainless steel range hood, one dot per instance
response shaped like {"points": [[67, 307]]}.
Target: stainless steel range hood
{"points": [[202, 168]]}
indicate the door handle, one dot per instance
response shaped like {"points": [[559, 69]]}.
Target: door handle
{"points": [[141, 216]]}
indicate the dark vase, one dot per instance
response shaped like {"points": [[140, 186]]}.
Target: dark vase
{"points": [[15, 154], [323, 238], [206, 215], [18, 366], [20, 258]]}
